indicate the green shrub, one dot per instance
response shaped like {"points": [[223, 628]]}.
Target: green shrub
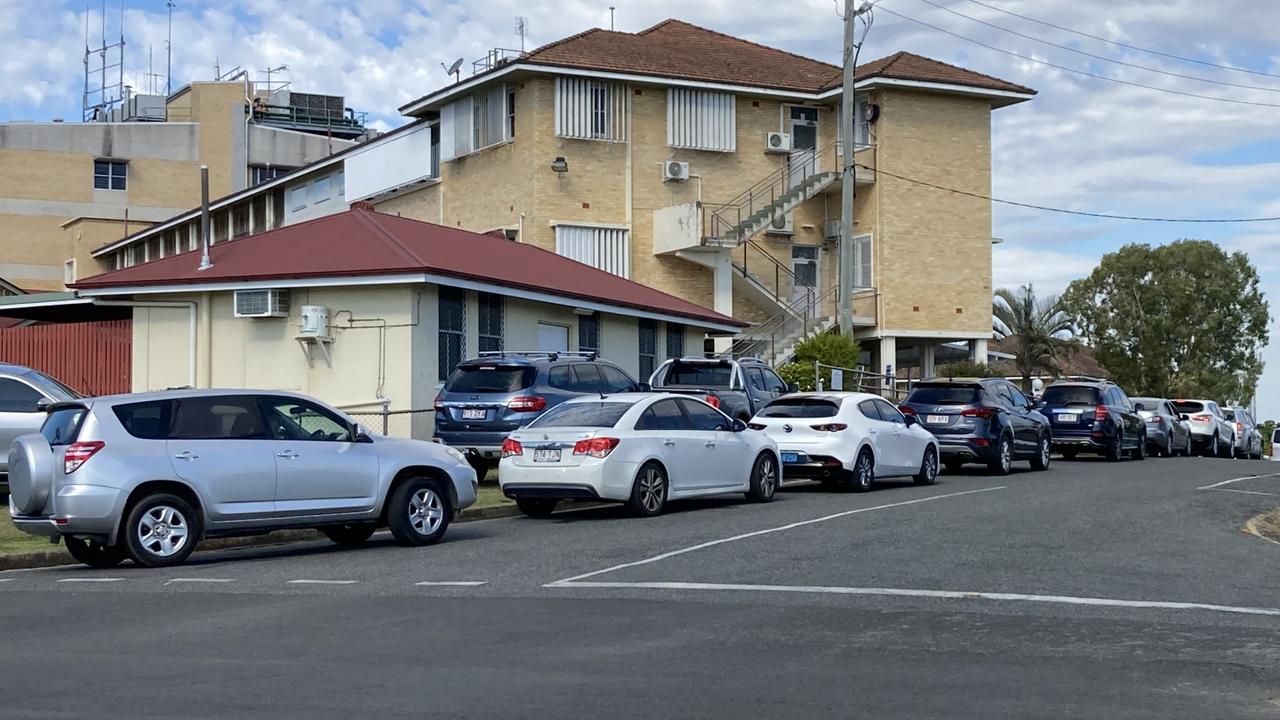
{"points": [[965, 368], [828, 349]]}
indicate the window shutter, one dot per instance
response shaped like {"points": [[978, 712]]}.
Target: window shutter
{"points": [[608, 249], [590, 109], [701, 120]]}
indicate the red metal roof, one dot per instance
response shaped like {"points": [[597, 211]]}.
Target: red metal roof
{"points": [[362, 242]]}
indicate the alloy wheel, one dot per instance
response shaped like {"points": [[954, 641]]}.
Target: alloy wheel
{"points": [[768, 476], [163, 531], [426, 511], [652, 490], [863, 472], [1045, 449], [1006, 454], [930, 465]]}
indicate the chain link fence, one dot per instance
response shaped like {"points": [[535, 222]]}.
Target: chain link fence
{"points": [[414, 424]]}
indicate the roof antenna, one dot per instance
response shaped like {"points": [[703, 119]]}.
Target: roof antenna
{"points": [[522, 29], [611, 8], [453, 69]]}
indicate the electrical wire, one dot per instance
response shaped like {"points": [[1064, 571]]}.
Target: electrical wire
{"points": [[1064, 211], [1117, 43], [1103, 58], [1084, 73]]}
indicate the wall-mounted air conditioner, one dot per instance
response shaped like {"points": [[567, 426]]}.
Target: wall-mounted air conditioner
{"points": [[781, 224], [777, 142], [262, 303], [675, 171]]}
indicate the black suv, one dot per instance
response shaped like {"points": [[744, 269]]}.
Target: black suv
{"points": [[981, 420], [1094, 416], [488, 397]]}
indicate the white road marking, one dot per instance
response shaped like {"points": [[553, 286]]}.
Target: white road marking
{"points": [[91, 580], [323, 582], [1246, 492], [452, 583], [200, 580], [1236, 480], [744, 536], [951, 594]]}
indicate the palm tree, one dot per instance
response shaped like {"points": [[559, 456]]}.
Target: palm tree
{"points": [[1036, 329]]}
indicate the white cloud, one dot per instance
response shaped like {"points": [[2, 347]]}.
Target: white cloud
{"points": [[1049, 270]]}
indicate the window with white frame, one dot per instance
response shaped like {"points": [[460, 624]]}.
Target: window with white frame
{"points": [[589, 109], [701, 120], [608, 249], [298, 198], [320, 190], [477, 121], [110, 174], [862, 261], [861, 126]]}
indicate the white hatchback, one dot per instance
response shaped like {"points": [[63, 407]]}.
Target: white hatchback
{"points": [[848, 438], [642, 449]]}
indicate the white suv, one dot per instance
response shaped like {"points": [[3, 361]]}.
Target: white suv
{"points": [[147, 476], [1211, 433]]}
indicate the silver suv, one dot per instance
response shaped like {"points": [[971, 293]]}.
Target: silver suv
{"points": [[147, 476]]}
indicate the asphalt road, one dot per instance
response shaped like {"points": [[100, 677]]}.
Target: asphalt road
{"points": [[1091, 590]]}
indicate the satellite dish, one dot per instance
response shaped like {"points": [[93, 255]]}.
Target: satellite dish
{"points": [[455, 66]]}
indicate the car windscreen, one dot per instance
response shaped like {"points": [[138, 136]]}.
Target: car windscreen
{"points": [[1229, 414], [1188, 406], [801, 408], [1150, 404], [945, 394], [52, 386], [604, 414], [491, 379], [1070, 395], [700, 374], [63, 425]]}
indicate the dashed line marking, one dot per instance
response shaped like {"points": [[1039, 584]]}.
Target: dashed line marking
{"points": [[90, 580], [322, 582], [199, 580], [452, 583]]}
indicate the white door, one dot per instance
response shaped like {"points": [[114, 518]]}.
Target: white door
{"points": [[553, 338], [665, 426], [320, 470], [904, 447], [804, 266], [725, 460], [219, 444]]}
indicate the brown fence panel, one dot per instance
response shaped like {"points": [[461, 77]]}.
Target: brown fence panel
{"points": [[92, 357]]}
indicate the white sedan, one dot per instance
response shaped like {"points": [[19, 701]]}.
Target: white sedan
{"points": [[848, 438], [642, 449]]}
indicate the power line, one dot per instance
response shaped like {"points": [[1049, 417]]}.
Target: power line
{"points": [[1084, 73], [1064, 211], [1103, 58], [1117, 43]]}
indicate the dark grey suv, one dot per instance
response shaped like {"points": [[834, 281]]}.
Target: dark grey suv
{"points": [[488, 397]]}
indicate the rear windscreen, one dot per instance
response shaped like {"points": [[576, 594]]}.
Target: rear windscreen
{"points": [[702, 374], [491, 379], [800, 408], [63, 425], [1188, 406], [583, 414], [1152, 404], [1229, 414], [945, 395], [1068, 396]]}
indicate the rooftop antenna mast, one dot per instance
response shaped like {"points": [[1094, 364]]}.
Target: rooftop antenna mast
{"points": [[168, 48], [522, 29], [103, 68], [611, 9]]}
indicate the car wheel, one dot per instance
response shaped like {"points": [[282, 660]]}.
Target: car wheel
{"points": [[537, 507], [928, 474], [953, 466], [1140, 451], [94, 553], [161, 530], [1115, 450], [418, 512], [764, 479], [649, 491], [1068, 454], [1003, 461], [864, 471], [1041, 460], [1211, 449], [349, 535]]}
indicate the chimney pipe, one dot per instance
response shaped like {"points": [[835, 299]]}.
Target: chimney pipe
{"points": [[204, 218]]}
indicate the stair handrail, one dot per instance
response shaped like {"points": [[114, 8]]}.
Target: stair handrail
{"points": [[800, 314], [779, 269], [723, 215]]}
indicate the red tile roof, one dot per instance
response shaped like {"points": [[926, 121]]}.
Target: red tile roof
{"points": [[362, 242], [679, 50]]}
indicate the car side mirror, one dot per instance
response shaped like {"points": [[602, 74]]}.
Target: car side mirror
{"points": [[42, 405], [911, 420], [1184, 416], [738, 425], [1036, 404], [1139, 407], [359, 434], [644, 387], [793, 388]]}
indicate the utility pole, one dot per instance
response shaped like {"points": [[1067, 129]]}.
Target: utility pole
{"points": [[848, 105]]}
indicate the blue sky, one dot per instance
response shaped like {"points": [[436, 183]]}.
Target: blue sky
{"points": [[1083, 144]]}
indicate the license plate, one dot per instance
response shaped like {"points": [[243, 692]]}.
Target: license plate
{"points": [[1074, 417], [790, 457], [473, 413], [546, 455], [937, 419]]}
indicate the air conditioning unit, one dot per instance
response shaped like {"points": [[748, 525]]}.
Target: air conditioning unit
{"points": [[315, 322], [675, 171], [777, 142], [262, 303], [781, 224]]}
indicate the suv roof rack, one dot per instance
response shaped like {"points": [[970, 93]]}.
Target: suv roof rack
{"points": [[549, 354], [1084, 378]]}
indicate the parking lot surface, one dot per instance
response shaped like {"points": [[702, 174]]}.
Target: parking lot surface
{"points": [[1094, 589]]}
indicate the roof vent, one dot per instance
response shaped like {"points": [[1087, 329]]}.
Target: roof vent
{"points": [[364, 205]]}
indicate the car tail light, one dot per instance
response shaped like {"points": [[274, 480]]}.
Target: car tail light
{"points": [[439, 404], [1157, 420], [1202, 418], [757, 426], [907, 409], [713, 401], [531, 403], [595, 447], [511, 447], [1100, 413], [830, 427], [986, 413], [78, 454]]}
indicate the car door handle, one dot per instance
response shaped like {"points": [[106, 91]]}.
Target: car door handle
{"points": [[710, 444], [669, 443], [186, 455], [287, 454], [872, 431]]}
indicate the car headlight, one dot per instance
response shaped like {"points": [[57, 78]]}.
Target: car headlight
{"points": [[455, 453]]}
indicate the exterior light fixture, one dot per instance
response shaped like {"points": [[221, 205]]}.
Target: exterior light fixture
{"points": [[560, 165]]}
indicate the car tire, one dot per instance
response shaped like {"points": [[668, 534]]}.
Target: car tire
{"points": [[1186, 452], [1002, 464], [953, 466], [1115, 450], [161, 530], [764, 479], [418, 512], [649, 491], [1043, 452], [1139, 452], [928, 474], [537, 507], [863, 477], [353, 535], [1211, 448], [93, 553]]}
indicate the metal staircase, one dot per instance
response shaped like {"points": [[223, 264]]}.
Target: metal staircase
{"points": [[775, 339], [777, 194]]}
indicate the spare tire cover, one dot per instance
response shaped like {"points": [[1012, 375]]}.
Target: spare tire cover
{"points": [[30, 473]]}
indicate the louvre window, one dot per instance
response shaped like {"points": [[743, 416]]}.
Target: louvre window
{"points": [[648, 347], [591, 109], [589, 333], [701, 120], [675, 340], [452, 307], [608, 249], [490, 309], [477, 121]]}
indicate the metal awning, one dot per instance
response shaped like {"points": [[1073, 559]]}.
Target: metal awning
{"points": [[59, 307]]}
